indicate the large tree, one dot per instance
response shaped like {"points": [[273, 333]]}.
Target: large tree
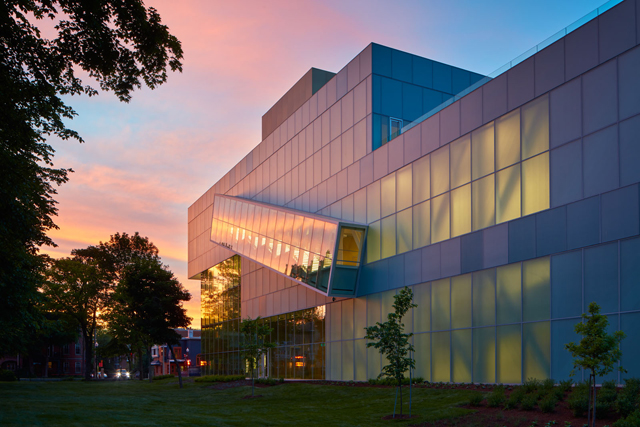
{"points": [[147, 307], [78, 290], [120, 45]]}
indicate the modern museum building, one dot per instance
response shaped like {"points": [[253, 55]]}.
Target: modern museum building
{"points": [[507, 203]]}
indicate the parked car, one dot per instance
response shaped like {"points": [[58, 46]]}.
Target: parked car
{"points": [[122, 374]]}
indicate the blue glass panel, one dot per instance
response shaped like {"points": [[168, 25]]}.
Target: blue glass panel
{"points": [[583, 223], [620, 216], [630, 346], [391, 98], [563, 332], [471, 249], [442, 77], [566, 285], [430, 100], [551, 231], [460, 79], [401, 67], [522, 239], [422, 71], [630, 275], [601, 277], [411, 102], [381, 60]]}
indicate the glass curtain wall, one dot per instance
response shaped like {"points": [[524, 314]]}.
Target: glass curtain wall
{"points": [[298, 246], [220, 293]]}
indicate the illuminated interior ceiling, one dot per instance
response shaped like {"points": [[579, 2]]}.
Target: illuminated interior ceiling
{"points": [[321, 253]]}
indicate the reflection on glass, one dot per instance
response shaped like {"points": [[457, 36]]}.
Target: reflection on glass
{"points": [[350, 246]]}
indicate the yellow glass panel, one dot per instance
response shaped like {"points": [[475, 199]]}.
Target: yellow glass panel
{"points": [[404, 233], [440, 305], [509, 294], [482, 151], [484, 355], [535, 184], [461, 355], [440, 171], [536, 289], [422, 313], [536, 345], [484, 211], [508, 140], [421, 225], [388, 236], [373, 242], [461, 210], [441, 360], [509, 354], [508, 194], [461, 161], [404, 188], [421, 180], [422, 344], [535, 127], [440, 218], [388, 201], [373, 202], [461, 301]]}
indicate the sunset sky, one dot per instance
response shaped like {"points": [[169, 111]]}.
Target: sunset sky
{"points": [[145, 162]]}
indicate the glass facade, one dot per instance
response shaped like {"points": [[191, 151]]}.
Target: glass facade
{"points": [[220, 291], [298, 245]]}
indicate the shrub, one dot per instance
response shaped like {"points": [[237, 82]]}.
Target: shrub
{"points": [[632, 420], [531, 385], [548, 403], [393, 382], [629, 397], [579, 399], [566, 385], [267, 381], [496, 397], [547, 384], [163, 377], [515, 398], [6, 375], [219, 378], [606, 399], [558, 393], [476, 398], [528, 402]]}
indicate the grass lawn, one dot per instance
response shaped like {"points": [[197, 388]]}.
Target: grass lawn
{"points": [[163, 403]]}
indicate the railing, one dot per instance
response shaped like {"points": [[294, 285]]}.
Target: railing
{"points": [[557, 36]]}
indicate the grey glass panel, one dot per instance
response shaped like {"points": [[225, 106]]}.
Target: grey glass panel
{"points": [[601, 277], [509, 293], [440, 305], [630, 274], [566, 285], [484, 298], [484, 355]]}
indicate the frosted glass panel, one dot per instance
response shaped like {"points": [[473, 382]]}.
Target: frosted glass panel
{"points": [[347, 360], [360, 351], [440, 171], [484, 355], [421, 224], [388, 246], [461, 210], [440, 305], [509, 354], [509, 294], [484, 210], [374, 362], [460, 161], [535, 127], [422, 344], [389, 190], [422, 313], [404, 188], [508, 140], [440, 356], [535, 184], [508, 194], [536, 343], [360, 317], [461, 355], [404, 224], [461, 301], [336, 361], [373, 202], [484, 298], [374, 309], [536, 290], [482, 153], [440, 218], [373, 242], [347, 319], [421, 180]]}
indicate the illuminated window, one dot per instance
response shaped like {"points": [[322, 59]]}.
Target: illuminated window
{"points": [[350, 246], [508, 194], [460, 161], [535, 127], [508, 140], [422, 224], [482, 151], [461, 210], [440, 218], [440, 171], [421, 180], [395, 126], [404, 188], [404, 233], [483, 202], [535, 184]]}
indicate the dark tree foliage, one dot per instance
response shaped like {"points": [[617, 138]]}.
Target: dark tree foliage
{"points": [[147, 306], [77, 290], [121, 45]]}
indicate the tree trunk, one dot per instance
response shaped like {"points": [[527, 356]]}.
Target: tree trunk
{"points": [[594, 400], [88, 353], [46, 363], [140, 364], [400, 398], [253, 382], [151, 370], [177, 365]]}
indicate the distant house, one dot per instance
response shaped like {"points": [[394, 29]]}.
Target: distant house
{"points": [[187, 355]]}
